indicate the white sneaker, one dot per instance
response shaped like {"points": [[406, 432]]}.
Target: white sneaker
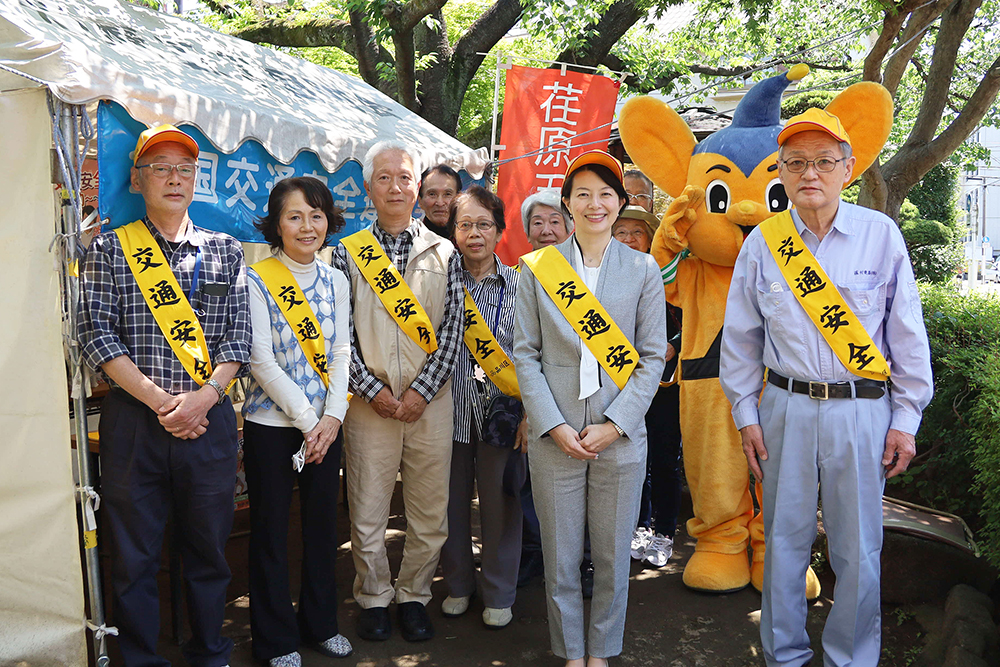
{"points": [[659, 550], [640, 540], [455, 606], [497, 618], [292, 659]]}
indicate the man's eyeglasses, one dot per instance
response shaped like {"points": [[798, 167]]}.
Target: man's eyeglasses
{"points": [[640, 196], [623, 234], [481, 225], [822, 164], [162, 169]]}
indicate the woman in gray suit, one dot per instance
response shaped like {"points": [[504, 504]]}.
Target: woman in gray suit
{"points": [[587, 436]]}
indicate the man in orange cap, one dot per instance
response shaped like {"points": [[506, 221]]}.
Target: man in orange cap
{"points": [[164, 315], [823, 301]]}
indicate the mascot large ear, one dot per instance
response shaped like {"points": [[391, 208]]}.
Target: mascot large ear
{"points": [[865, 109], [658, 141]]}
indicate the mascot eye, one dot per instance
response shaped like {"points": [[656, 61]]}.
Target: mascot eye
{"points": [[717, 197], [777, 200]]}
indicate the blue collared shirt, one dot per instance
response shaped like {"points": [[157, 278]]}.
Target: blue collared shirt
{"points": [[494, 296], [865, 257]]}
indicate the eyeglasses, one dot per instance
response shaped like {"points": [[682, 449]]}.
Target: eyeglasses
{"points": [[481, 225], [640, 197], [623, 234], [163, 169], [822, 164]]}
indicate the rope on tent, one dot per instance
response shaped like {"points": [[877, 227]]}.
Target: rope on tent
{"points": [[101, 632]]}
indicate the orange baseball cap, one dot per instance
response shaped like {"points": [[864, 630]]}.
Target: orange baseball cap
{"points": [[814, 119], [160, 134], [597, 157]]}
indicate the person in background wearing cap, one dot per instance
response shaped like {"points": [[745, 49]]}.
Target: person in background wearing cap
{"points": [[653, 539], [822, 418], [438, 187], [586, 435], [168, 430]]}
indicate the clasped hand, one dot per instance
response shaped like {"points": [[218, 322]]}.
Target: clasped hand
{"points": [[184, 415], [319, 439], [586, 444], [408, 410]]}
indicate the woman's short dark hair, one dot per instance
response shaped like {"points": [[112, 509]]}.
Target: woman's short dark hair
{"points": [[440, 169], [316, 194], [604, 174], [484, 198]]}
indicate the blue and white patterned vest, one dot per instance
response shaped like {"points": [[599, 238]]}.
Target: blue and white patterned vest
{"points": [[287, 350]]}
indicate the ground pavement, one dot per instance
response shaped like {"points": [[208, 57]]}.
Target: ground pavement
{"points": [[668, 625]]}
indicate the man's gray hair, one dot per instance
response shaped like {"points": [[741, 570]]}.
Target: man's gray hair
{"points": [[388, 146], [548, 198]]}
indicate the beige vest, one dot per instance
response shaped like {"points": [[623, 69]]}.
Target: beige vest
{"points": [[390, 354]]}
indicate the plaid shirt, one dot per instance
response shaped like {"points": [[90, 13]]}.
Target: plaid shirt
{"points": [[115, 319], [439, 365]]}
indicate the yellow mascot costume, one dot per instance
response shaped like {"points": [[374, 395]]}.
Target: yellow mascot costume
{"points": [[723, 187]]}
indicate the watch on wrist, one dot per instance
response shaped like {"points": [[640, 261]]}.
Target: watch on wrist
{"points": [[621, 432], [214, 384]]}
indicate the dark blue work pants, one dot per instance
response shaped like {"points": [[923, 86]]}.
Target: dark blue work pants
{"points": [[661, 492], [146, 472]]}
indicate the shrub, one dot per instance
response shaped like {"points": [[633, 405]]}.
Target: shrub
{"points": [[957, 468]]}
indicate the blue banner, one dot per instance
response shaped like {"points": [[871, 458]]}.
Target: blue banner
{"points": [[231, 190]]}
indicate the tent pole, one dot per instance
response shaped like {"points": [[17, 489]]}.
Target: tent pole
{"points": [[65, 134]]}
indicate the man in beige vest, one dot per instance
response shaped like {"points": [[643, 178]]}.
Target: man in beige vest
{"points": [[400, 418]]}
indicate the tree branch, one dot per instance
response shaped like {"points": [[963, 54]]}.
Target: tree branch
{"points": [[286, 31], [954, 24], [369, 53], [222, 7], [892, 22], [403, 17], [603, 34], [406, 82], [972, 113], [910, 39]]}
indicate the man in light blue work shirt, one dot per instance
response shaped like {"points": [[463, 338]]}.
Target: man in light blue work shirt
{"points": [[817, 423]]}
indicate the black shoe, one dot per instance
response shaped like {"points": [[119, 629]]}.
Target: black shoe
{"points": [[373, 624], [531, 566], [587, 579], [414, 623]]}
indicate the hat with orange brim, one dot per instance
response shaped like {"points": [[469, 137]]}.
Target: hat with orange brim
{"points": [[812, 120], [160, 134], [597, 157]]}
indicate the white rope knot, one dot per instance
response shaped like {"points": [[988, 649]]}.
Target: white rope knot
{"points": [[92, 496], [101, 631]]}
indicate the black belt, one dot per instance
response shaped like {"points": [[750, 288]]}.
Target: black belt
{"points": [[824, 390]]}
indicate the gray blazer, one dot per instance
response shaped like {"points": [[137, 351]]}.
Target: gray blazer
{"points": [[547, 349]]}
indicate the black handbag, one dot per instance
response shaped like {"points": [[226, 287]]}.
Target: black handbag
{"points": [[503, 416]]}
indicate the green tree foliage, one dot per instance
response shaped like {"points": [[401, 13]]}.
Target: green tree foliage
{"points": [[796, 104], [957, 468], [935, 195]]}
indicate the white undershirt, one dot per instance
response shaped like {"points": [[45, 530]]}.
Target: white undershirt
{"points": [[590, 370], [296, 410]]}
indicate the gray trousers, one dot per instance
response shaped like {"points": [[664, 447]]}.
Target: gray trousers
{"points": [[568, 494], [836, 445], [498, 475]]}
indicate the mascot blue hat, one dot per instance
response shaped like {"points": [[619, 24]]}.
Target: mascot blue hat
{"points": [[753, 135]]}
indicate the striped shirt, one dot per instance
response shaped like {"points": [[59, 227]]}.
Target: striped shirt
{"points": [[494, 296], [115, 319], [439, 365]]}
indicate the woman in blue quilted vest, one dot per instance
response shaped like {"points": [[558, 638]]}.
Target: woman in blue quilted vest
{"points": [[300, 316]]}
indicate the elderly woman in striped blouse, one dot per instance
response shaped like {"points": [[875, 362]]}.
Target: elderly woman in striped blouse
{"points": [[490, 434]]}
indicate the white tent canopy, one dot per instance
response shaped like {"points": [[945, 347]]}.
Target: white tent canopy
{"points": [[163, 68]]}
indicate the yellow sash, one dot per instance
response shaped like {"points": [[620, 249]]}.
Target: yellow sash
{"points": [[483, 344], [584, 312], [292, 303], [820, 299], [166, 300], [397, 297]]}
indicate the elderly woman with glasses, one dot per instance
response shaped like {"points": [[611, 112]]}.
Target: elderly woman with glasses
{"points": [[482, 386]]}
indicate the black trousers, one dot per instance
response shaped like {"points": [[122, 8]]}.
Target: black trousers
{"points": [[267, 459], [661, 492], [146, 472]]}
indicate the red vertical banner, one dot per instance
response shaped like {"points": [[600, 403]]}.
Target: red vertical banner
{"points": [[548, 116]]}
